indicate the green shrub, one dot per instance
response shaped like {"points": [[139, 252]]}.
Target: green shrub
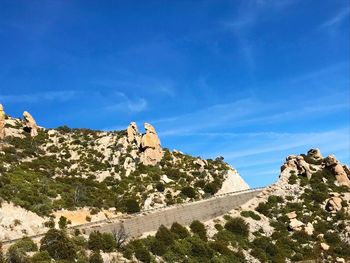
{"points": [[142, 254], [63, 222], [160, 187], [101, 241], [95, 257], [293, 179], [158, 247], [165, 236], [26, 244], [131, 206], [250, 214], [41, 257], [179, 231], [238, 226], [58, 245], [198, 228], [188, 192]]}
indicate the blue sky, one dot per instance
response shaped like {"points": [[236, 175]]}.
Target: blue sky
{"points": [[251, 80]]}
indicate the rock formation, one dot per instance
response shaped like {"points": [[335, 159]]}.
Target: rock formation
{"points": [[315, 154], [299, 164], [133, 134], [30, 124], [334, 204], [342, 178], [2, 122], [151, 150]]}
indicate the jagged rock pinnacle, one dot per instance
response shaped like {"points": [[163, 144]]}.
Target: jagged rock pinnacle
{"points": [[30, 124]]}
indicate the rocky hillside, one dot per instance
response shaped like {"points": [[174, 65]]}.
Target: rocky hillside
{"points": [[304, 216], [86, 175]]}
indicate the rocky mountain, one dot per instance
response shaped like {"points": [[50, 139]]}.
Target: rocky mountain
{"points": [[303, 217], [86, 175], [51, 179]]}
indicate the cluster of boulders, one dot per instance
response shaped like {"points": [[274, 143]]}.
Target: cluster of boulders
{"points": [[149, 146], [297, 225], [341, 172], [298, 163], [29, 123]]}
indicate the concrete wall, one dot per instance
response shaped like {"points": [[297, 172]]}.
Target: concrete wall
{"points": [[185, 214]]}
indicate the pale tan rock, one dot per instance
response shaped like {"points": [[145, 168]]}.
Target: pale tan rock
{"points": [[151, 150], [334, 204], [150, 138], [295, 224], [309, 229], [340, 260], [331, 160], [315, 154], [133, 134], [297, 162], [292, 215], [2, 122], [199, 162], [304, 166], [30, 124], [340, 173], [347, 170], [324, 246]]}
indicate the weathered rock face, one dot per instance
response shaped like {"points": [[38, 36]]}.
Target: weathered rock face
{"points": [[339, 171], [2, 122], [30, 124], [315, 154], [298, 163], [295, 224], [151, 150], [331, 160], [334, 204], [133, 134]]}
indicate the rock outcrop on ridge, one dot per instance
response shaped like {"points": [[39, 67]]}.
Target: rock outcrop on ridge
{"points": [[30, 124], [151, 149], [133, 134], [111, 172]]}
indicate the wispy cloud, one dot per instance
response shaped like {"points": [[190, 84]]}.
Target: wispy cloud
{"points": [[39, 97], [124, 103], [332, 138], [338, 18]]}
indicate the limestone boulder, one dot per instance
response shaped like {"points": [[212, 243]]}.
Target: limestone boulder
{"points": [[331, 160], [292, 215], [133, 134], [339, 171], [295, 224], [200, 162], [315, 154], [334, 204], [297, 162], [2, 122], [151, 149], [30, 124], [150, 138], [309, 229], [324, 246]]}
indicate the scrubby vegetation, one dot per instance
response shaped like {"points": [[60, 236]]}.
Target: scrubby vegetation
{"points": [[61, 169]]}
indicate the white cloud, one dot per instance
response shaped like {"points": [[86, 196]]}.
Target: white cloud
{"points": [[124, 103], [338, 18], [39, 97]]}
